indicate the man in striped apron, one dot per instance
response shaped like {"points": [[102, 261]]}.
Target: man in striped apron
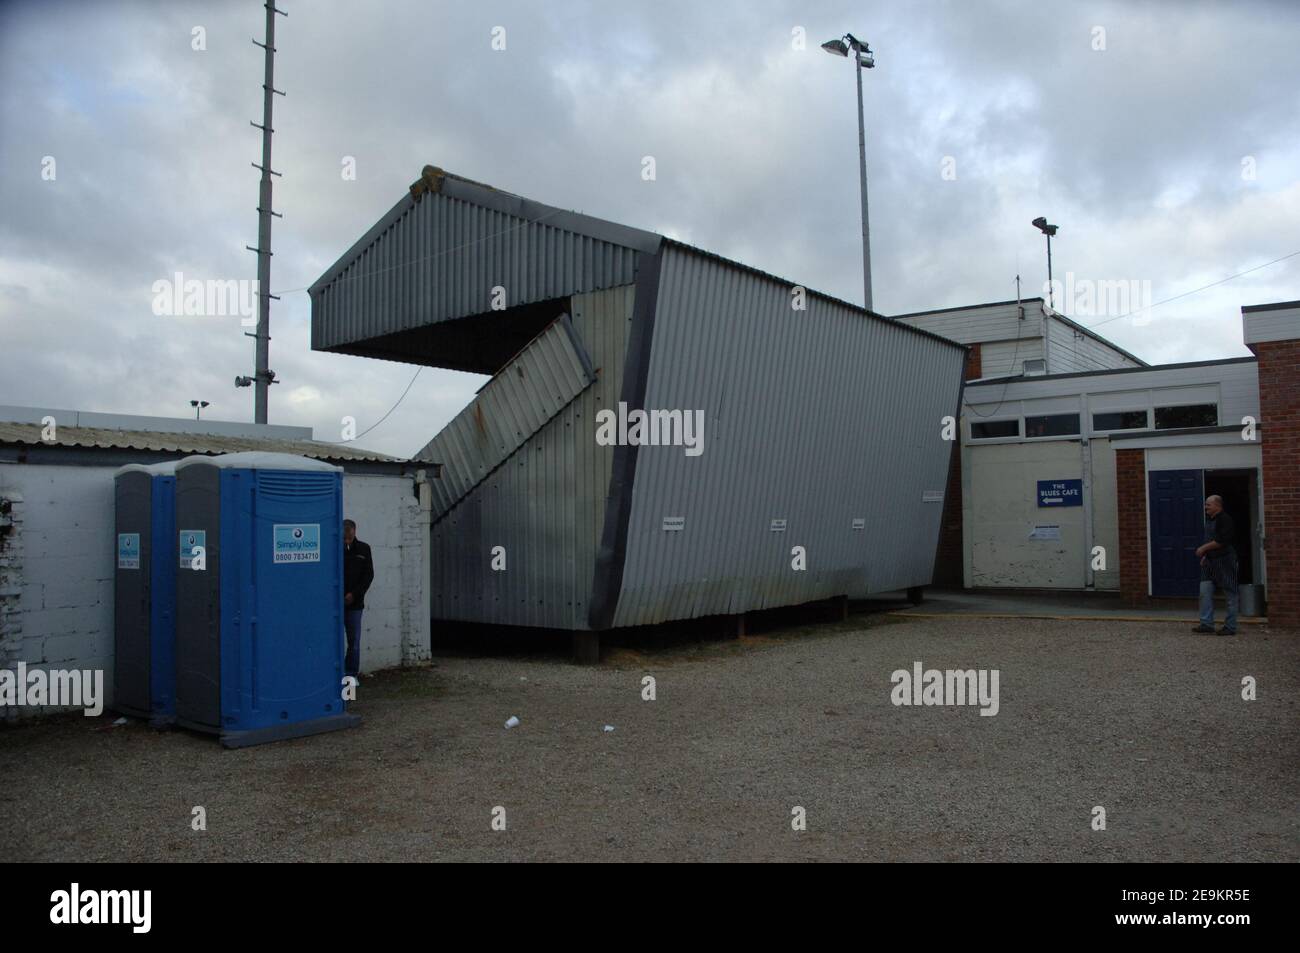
{"points": [[1218, 567]]}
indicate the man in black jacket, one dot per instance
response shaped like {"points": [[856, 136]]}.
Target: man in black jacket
{"points": [[358, 574], [1218, 558]]}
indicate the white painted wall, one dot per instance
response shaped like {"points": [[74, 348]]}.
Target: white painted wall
{"points": [[1280, 322], [386, 512], [984, 322], [1007, 358], [1105, 511], [57, 569], [1007, 341], [1070, 351], [1242, 455], [1234, 386], [1001, 509], [59, 602]]}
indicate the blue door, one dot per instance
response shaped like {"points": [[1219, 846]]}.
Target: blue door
{"points": [[1177, 503]]}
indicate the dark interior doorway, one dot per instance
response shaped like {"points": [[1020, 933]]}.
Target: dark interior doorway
{"points": [[1238, 489]]}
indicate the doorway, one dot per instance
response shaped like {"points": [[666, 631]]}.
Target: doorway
{"points": [[1177, 508], [1240, 494]]}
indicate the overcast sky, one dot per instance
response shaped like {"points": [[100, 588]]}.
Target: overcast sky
{"points": [[1163, 138]]}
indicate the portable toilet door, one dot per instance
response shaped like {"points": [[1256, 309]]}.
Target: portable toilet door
{"points": [[144, 669], [259, 597]]}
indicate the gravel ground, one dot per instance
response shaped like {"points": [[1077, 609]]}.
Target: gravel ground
{"points": [[1144, 719]]}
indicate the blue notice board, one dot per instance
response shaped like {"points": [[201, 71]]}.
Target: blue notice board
{"points": [[1060, 493]]}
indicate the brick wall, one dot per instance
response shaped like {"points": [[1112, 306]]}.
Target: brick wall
{"points": [[950, 560], [1279, 404], [1131, 503], [974, 363]]}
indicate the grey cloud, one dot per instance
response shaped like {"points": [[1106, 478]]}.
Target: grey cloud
{"points": [[1135, 151]]}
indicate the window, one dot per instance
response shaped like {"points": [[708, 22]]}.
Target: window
{"points": [[990, 429], [1120, 420], [1052, 425], [1190, 415]]}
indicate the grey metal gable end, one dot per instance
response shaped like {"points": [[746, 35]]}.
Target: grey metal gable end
{"points": [[439, 253]]}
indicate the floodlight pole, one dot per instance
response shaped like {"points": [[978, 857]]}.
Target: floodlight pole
{"points": [[863, 59], [862, 166], [1049, 230], [1050, 303]]}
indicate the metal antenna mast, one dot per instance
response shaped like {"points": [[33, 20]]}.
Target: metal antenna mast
{"points": [[263, 376]]}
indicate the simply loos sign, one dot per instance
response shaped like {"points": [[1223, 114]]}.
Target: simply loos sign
{"points": [[128, 550], [1060, 493], [296, 543]]}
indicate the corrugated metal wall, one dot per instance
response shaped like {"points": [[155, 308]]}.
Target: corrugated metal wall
{"points": [[439, 259], [816, 417], [542, 379], [545, 505]]}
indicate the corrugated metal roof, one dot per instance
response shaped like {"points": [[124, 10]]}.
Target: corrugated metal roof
{"points": [[437, 255], [187, 443]]}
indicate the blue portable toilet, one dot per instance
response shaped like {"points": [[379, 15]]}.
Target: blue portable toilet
{"points": [[259, 597], [144, 605]]}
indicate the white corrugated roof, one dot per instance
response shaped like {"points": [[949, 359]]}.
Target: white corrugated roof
{"points": [[188, 443], [259, 460]]}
